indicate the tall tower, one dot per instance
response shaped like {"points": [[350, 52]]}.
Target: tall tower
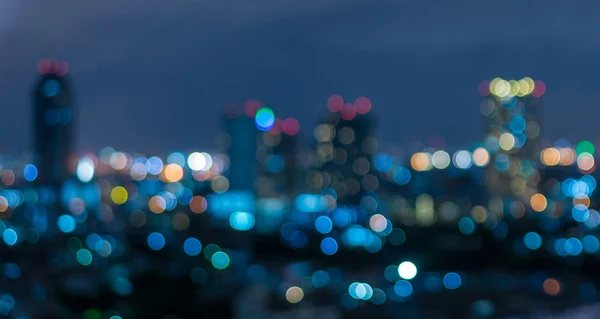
{"points": [[53, 122], [276, 154], [511, 109], [242, 134], [345, 142]]}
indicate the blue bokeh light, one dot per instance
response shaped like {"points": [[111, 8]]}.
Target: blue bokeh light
{"points": [[66, 223], [532, 240], [10, 236], [329, 246], [30, 172], [156, 241], [403, 288], [192, 246], [323, 224], [241, 221], [452, 281]]}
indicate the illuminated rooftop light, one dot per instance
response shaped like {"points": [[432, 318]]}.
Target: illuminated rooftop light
{"points": [[335, 103], [251, 106], [264, 119], [290, 126], [363, 105], [348, 112]]}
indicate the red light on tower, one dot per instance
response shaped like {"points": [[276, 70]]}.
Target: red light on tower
{"points": [[484, 88], [335, 103], [348, 112], [276, 129], [63, 68], [44, 66], [251, 106], [290, 126], [54, 66], [363, 105], [539, 88]]}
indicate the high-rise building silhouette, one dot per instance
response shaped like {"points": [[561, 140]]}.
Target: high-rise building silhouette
{"points": [[511, 109], [241, 134], [53, 122], [276, 154], [345, 142]]}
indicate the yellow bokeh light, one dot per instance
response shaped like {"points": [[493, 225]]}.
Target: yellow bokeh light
{"points": [[119, 195], [514, 87], [173, 173], [538, 202], [420, 161], [506, 141], [294, 294], [481, 157], [494, 85], [523, 88], [505, 89], [550, 156], [479, 214], [157, 204], [530, 84]]}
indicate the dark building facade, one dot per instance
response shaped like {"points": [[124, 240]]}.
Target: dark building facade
{"points": [[345, 144], [511, 109], [242, 134], [53, 127]]}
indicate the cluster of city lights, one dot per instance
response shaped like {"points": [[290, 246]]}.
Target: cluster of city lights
{"points": [[352, 197]]}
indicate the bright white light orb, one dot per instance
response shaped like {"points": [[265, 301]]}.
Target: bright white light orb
{"points": [[407, 270], [85, 169], [200, 161]]}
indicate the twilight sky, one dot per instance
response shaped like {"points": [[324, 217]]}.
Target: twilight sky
{"points": [[152, 75]]}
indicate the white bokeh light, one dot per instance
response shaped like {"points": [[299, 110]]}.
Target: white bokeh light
{"points": [[407, 270], [85, 169]]}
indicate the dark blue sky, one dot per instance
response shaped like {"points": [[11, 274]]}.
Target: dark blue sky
{"points": [[152, 75]]}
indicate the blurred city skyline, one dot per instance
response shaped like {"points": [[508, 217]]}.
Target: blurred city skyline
{"points": [[154, 78]]}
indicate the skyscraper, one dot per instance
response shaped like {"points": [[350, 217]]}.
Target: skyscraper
{"points": [[53, 122], [345, 142], [241, 134], [511, 109], [276, 155]]}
